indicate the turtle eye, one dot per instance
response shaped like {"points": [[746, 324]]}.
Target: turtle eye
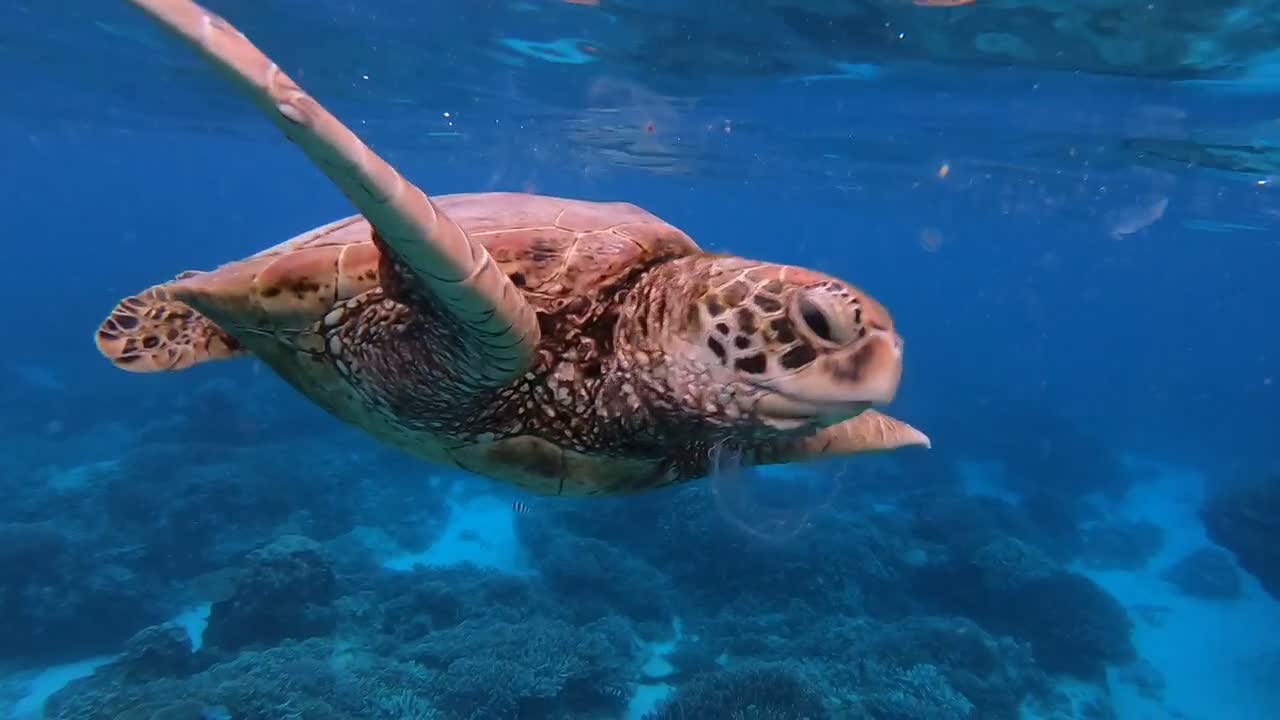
{"points": [[823, 320], [815, 319]]}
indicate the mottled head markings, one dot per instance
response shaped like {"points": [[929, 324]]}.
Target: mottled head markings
{"points": [[761, 324], [813, 347]]}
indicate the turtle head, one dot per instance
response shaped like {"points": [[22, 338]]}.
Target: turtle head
{"points": [[799, 348]]}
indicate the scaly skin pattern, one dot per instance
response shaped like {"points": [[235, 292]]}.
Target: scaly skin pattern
{"points": [[402, 356], [658, 366], [701, 334], [389, 360]]}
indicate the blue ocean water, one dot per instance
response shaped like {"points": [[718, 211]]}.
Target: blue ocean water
{"points": [[1070, 208]]}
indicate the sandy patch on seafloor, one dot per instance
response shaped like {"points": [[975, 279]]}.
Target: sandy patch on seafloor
{"points": [[1217, 659]]}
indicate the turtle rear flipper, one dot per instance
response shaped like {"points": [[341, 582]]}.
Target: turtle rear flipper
{"points": [[498, 328], [153, 332]]}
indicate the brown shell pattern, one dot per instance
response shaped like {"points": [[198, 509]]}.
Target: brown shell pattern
{"points": [[554, 249]]}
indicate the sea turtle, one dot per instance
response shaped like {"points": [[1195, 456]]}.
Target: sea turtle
{"points": [[565, 346]]}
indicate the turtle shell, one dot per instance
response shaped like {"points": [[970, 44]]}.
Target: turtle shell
{"points": [[276, 304], [555, 250]]}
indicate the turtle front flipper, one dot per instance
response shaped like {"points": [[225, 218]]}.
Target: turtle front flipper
{"points": [[153, 332], [499, 330], [869, 431]]}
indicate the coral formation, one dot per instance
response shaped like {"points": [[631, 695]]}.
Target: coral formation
{"points": [[1245, 519], [884, 593], [1206, 573], [760, 692], [285, 590]]}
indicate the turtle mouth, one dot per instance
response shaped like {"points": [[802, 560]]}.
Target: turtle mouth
{"points": [[837, 386], [789, 411]]}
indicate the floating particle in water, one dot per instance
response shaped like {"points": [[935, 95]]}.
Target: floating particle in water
{"points": [[586, 3], [1138, 216], [942, 3], [1217, 226], [930, 239], [944, 171], [624, 123], [843, 71]]}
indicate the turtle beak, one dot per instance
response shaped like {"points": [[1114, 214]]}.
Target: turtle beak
{"points": [[839, 385]]}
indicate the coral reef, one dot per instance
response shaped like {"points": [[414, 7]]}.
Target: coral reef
{"points": [[1120, 545], [286, 590], [1011, 587], [882, 592], [309, 679], [139, 538], [1206, 573], [56, 586], [1245, 519], [158, 651], [758, 692], [474, 667]]}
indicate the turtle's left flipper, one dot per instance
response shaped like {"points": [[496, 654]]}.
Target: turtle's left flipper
{"points": [[498, 330]]}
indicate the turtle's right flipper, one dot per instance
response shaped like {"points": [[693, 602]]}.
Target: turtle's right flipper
{"points": [[498, 330]]}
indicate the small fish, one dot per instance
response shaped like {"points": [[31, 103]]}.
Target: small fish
{"points": [[613, 691]]}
